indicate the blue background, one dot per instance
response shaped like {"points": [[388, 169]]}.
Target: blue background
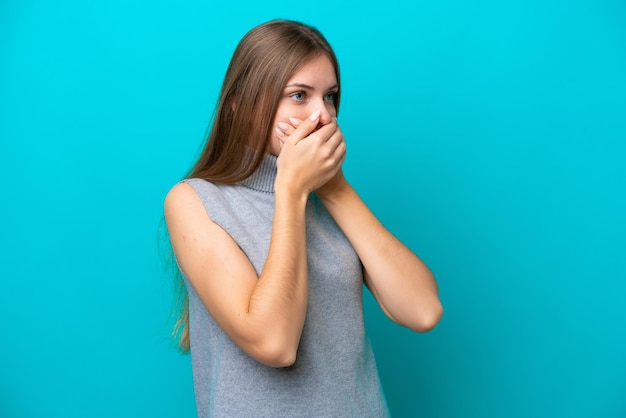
{"points": [[489, 136]]}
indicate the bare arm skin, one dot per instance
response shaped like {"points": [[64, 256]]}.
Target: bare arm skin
{"points": [[402, 284], [263, 315]]}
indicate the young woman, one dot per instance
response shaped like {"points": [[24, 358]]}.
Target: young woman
{"points": [[274, 245]]}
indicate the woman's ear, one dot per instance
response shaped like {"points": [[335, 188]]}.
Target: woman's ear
{"points": [[233, 105]]}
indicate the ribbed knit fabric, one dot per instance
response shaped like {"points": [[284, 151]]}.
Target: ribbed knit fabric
{"points": [[335, 373]]}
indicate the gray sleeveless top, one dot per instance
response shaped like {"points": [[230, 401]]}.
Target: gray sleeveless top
{"points": [[335, 373]]}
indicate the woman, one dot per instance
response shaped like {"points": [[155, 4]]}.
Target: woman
{"points": [[273, 275]]}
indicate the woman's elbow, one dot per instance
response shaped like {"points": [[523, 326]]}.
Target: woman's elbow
{"points": [[280, 359], [275, 354], [428, 319]]}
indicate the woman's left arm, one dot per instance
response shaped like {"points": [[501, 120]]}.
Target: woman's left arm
{"points": [[403, 285]]}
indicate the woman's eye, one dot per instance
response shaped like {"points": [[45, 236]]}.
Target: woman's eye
{"points": [[331, 96], [298, 96]]}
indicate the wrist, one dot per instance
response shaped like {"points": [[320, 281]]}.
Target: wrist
{"points": [[334, 190], [289, 194]]}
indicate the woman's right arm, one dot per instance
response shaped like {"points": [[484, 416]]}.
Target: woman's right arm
{"points": [[263, 315]]}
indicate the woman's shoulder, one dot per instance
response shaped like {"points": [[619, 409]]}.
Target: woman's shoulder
{"points": [[196, 192], [190, 186], [182, 197]]}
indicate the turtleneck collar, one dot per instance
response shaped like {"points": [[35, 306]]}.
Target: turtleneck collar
{"points": [[264, 176]]}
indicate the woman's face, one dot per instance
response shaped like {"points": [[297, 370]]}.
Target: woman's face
{"points": [[313, 87]]}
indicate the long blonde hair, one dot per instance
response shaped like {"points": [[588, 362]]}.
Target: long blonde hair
{"points": [[262, 64]]}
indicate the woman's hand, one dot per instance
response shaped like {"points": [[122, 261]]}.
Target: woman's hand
{"points": [[310, 157]]}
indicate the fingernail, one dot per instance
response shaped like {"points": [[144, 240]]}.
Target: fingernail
{"points": [[294, 121], [283, 126], [279, 132], [315, 115], [281, 143]]}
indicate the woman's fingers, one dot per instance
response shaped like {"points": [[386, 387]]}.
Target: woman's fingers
{"points": [[328, 136], [311, 155], [304, 128], [284, 129]]}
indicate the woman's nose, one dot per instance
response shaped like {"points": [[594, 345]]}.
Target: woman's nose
{"points": [[325, 115]]}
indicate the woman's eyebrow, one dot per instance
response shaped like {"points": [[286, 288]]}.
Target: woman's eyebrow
{"points": [[307, 87]]}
